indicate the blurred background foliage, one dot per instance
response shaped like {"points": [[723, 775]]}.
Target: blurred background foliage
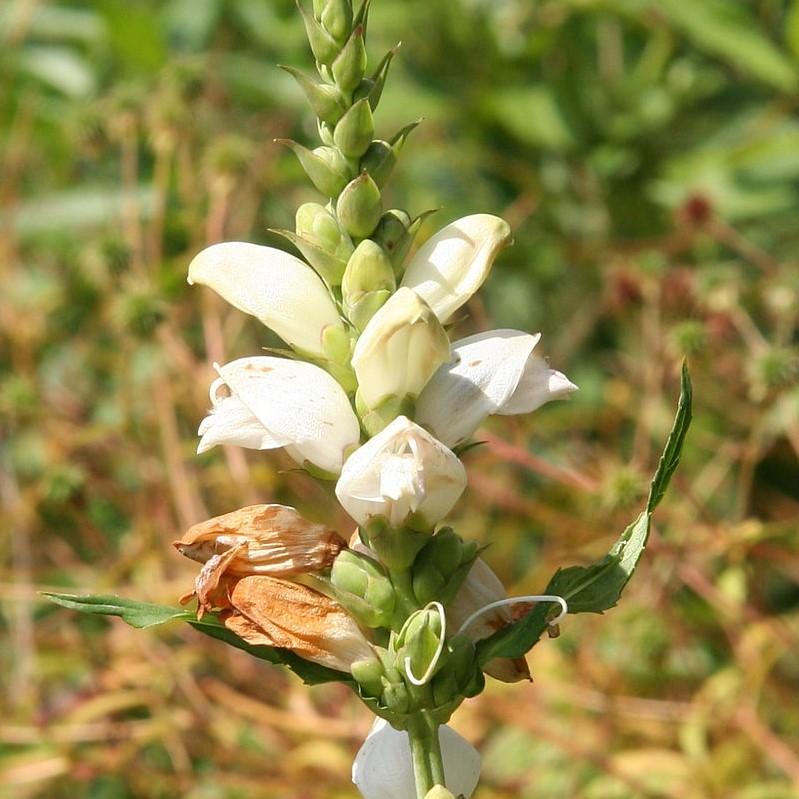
{"points": [[646, 153]]}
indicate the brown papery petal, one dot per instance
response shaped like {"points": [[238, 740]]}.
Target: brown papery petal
{"points": [[268, 610], [279, 542]]}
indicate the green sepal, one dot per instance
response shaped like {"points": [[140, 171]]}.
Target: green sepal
{"points": [[362, 15], [462, 676], [368, 282], [442, 566], [328, 267], [144, 614], [598, 587], [323, 46], [337, 344], [359, 206], [325, 99], [325, 166], [395, 233], [369, 675], [336, 17], [419, 639], [395, 548], [372, 87], [381, 156], [354, 131], [350, 65]]}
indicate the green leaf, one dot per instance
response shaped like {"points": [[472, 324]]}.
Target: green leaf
{"points": [[134, 613], [598, 587], [144, 614]]}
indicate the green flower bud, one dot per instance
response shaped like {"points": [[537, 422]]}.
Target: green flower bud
{"points": [[350, 65], [368, 282], [359, 206], [369, 675], [325, 166], [396, 697], [326, 100], [363, 588], [336, 344], [318, 8], [336, 17], [354, 130], [381, 156], [420, 642], [323, 46], [441, 567], [328, 266]]}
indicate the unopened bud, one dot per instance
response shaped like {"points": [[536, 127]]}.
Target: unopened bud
{"points": [[369, 676], [395, 233], [368, 282], [363, 587], [439, 792], [325, 166], [325, 99], [359, 206], [336, 16], [442, 566], [354, 130], [323, 46], [419, 644], [329, 267], [462, 677], [396, 697], [372, 88], [350, 65]]}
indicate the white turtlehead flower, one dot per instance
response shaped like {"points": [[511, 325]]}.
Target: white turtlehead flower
{"points": [[493, 372], [264, 403], [400, 348], [383, 768], [450, 267], [403, 470], [280, 290]]}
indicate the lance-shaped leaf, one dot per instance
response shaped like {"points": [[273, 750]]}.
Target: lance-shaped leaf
{"points": [[145, 614], [597, 588]]}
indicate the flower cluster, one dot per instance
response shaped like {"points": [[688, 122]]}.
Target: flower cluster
{"points": [[374, 395]]}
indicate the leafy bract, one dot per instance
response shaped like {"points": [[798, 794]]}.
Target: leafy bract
{"points": [[597, 587], [145, 614]]}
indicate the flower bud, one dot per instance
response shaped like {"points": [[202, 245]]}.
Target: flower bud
{"points": [[481, 588], [369, 676], [396, 698], [280, 290], [325, 166], [326, 100], [420, 642], [462, 676], [354, 130], [368, 282], [403, 475], [383, 768], [439, 792], [399, 350], [363, 587], [336, 16], [273, 612], [442, 566], [450, 267], [359, 206], [379, 161], [349, 66], [323, 45]]}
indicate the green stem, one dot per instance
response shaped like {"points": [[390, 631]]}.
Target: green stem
{"points": [[428, 766]]}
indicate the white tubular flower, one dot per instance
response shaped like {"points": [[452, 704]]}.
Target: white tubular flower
{"points": [[403, 470], [450, 267], [481, 588], [280, 290], [383, 768], [493, 372], [264, 403], [401, 347]]}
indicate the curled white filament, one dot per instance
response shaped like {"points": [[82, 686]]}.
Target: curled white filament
{"points": [[514, 600], [425, 678]]}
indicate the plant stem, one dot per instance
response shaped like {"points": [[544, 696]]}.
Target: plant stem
{"points": [[428, 767]]}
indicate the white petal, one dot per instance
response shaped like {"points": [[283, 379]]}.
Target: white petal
{"points": [[401, 347], [402, 470], [538, 385], [298, 405], [485, 372], [231, 422], [450, 267], [274, 286], [383, 769]]}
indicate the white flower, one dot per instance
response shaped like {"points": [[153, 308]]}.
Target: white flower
{"points": [[275, 402], [450, 267], [383, 768], [280, 290], [480, 588], [493, 372], [403, 470], [401, 347]]}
